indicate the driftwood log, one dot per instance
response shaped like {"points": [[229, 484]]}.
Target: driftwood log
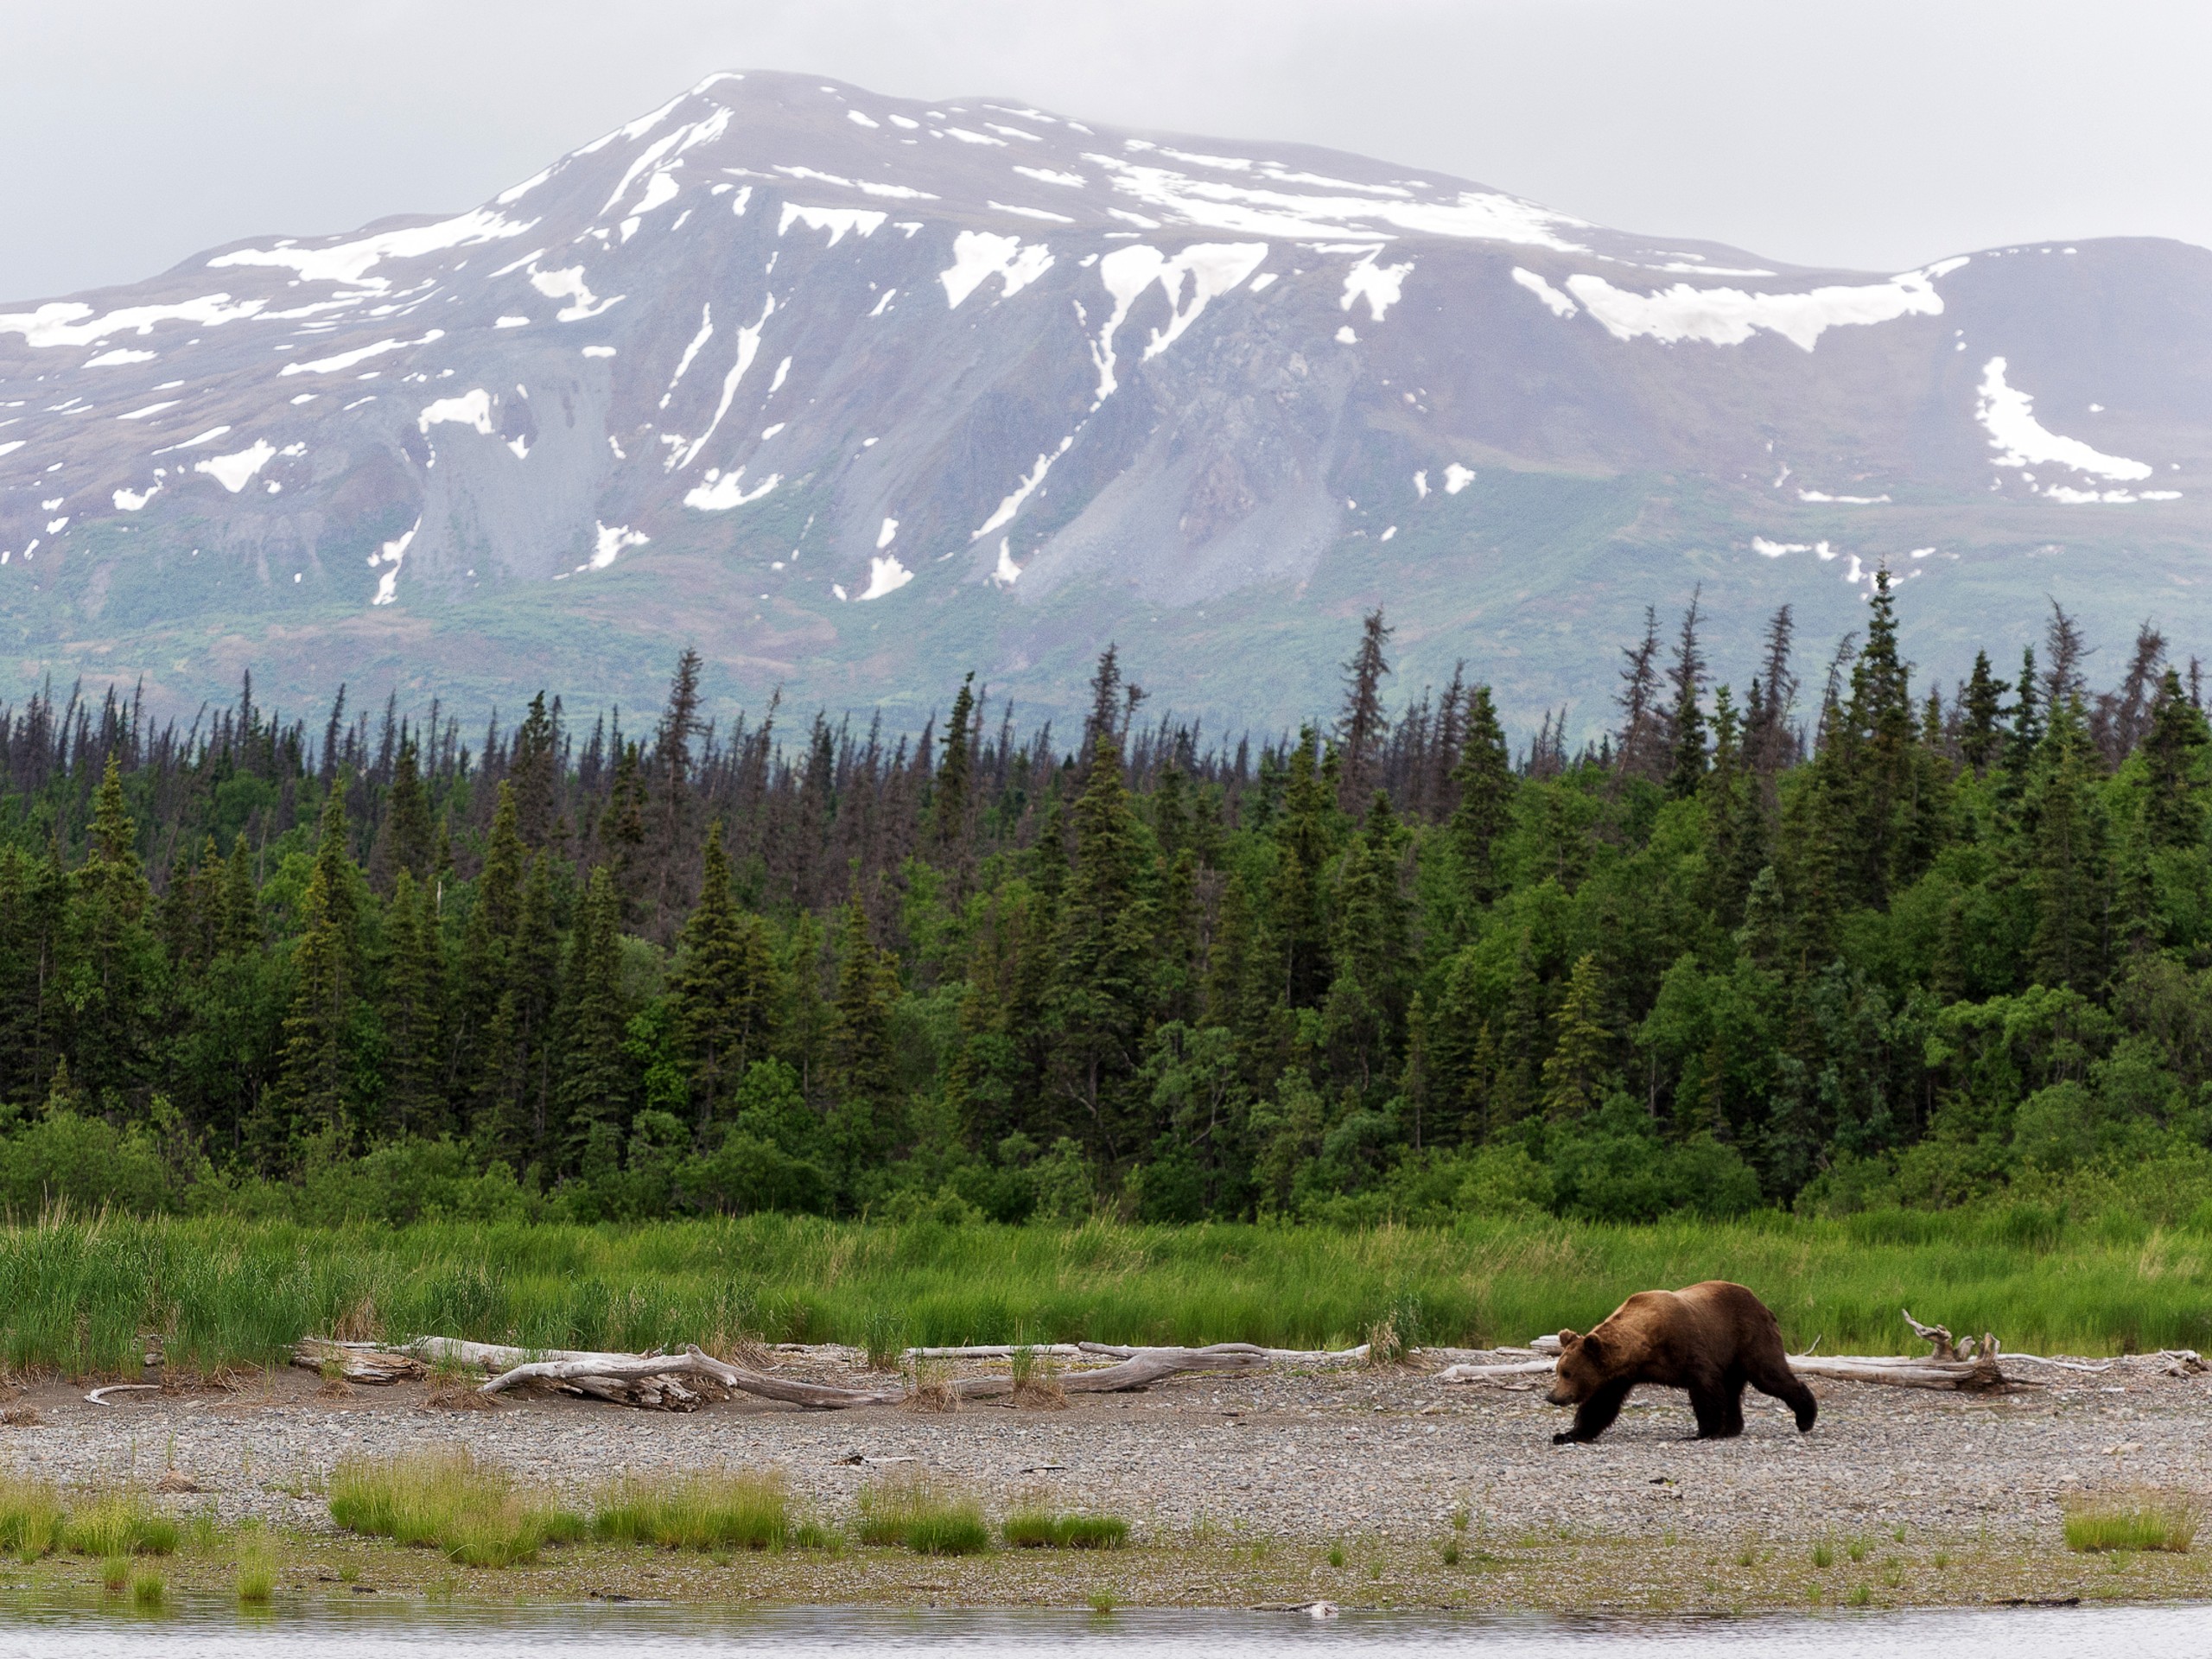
{"points": [[357, 1361], [1969, 1366], [651, 1380]]}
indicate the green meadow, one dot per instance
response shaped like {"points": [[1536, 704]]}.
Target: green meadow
{"points": [[81, 1296]]}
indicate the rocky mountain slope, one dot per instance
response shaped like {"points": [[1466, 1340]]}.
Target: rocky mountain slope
{"points": [[857, 393]]}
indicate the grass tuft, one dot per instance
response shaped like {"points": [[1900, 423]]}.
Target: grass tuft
{"points": [[473, 1512], [146, 1587], [256, 1581], [2132, 1521], [714, 1509], [1042, 1529], [1037, 1379], [930, 1387], [119, 1523], [923, 1515], [1386, 1344], [30, 1518], [115, 1574]]}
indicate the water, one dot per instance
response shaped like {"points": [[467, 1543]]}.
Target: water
{"points": [[634, 1632]]}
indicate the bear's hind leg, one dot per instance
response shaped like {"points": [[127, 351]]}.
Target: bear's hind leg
{"points": [[1595, 1415], [1772, 1375], [1720, 1409]]}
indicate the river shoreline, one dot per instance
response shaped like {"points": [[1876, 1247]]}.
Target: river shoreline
{"points": [[1239, 1490]]}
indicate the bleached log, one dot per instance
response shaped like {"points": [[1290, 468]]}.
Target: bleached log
{"points": [[99, 1396], [492, 1356], [1487, 1373], [359, 1362], [1000, 1350], [1282, 1356], [1975, 1375], [1141, 1369]]}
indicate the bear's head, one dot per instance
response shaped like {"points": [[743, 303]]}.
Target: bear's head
{"points": [[1582, 1367]]}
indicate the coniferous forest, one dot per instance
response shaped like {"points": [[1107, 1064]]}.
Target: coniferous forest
{"points": [[1808, 934]]}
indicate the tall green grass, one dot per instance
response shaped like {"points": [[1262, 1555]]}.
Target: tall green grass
{"points": [[2132, 1521], [711, 1509], [923, 1514], [1042, 1528], [119, 1523], [76, 1294], [473, 1512], [30, 1518]]}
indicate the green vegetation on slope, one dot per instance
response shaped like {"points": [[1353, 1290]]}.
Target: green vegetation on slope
{"points": [[1887, 952]]}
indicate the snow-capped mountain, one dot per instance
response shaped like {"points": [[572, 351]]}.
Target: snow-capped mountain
{"points": [[782, 362]]}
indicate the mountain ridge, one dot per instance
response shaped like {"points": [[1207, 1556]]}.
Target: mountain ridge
{"points": [[1016, 384]]}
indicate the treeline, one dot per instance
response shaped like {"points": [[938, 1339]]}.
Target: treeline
{"points": [[1874, 946]]}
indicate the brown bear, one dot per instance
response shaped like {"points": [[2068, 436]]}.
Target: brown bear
{"points": [[1711, 1339]]}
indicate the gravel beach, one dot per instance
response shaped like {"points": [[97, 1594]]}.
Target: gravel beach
{"points": [[1300, 1455]]}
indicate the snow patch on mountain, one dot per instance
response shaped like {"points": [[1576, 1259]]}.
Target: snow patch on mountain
{"points": [[885, 575], [1004, 513], [683, 363], [234, 472], [1213, 268], [1554, 302], [864, 221], [1217, 205], [1729, 316], [351, 262], [610, 541], [721, 494], [472, 409], [63, 322], [389, 556], [568, 285], [2007, 414], [748, 347], [345, 360], [978, 256], [1379, 285]]}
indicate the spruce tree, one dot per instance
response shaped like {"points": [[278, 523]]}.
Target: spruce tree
{"points": [[481, 977], [407, 815], [591, 1098], [531, 774], [1575, 1076], [1362, 727], [1982, 703], [723, 989], [1486, 783], [238, 927], [2070, 876], [1303, 835], [1686, 768], [114, 961], [2173, 763], [318, 1091], [412, 1002], [865, 1123], [948, 800], [1096, 1004]]}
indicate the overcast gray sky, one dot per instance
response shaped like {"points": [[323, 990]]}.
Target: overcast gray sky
{"points": [[1864, 133]]}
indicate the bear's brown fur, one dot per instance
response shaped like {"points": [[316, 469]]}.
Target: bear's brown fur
{"points": [[1710, 1340]]}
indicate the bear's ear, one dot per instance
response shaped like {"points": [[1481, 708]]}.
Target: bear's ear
{"points": [[1568, 1340], [1591, 1350]]}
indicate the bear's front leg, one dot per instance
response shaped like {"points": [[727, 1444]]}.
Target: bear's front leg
{"points": [[1595, 1415]]}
